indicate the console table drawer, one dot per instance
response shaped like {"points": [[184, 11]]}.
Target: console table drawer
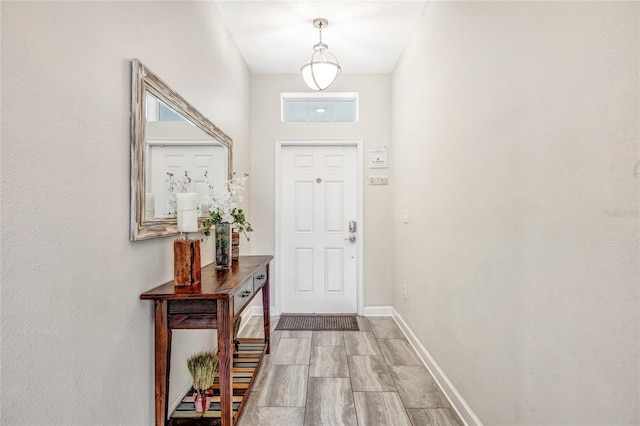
{"points": [[194, 314], [242, 297], [259, 279]]}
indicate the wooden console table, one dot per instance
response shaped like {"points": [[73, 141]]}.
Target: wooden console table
{"points": [[213, 304]]}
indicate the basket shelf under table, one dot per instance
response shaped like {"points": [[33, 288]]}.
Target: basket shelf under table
{"points": [[246, 364]]}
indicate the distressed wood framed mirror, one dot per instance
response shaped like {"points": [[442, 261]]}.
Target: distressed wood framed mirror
{"points": [[174, 148]]}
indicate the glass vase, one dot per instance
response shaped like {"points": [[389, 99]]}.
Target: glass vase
{"points": [[223, 245]]}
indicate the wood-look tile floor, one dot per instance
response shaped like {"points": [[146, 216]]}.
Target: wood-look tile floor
{"points": [[366, 378]]}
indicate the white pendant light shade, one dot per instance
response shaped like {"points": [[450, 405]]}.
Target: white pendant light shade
{"points": [[323, 69]]}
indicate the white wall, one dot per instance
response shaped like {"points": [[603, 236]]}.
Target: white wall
{"points": [[515, 135], [77, 343], [374, 128]]}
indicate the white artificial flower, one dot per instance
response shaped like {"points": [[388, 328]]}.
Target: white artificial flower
{"points": [[224, 202]]}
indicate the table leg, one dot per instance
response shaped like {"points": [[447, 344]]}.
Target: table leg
{"points": [[225, 360], [162, 361], [265, 312]]}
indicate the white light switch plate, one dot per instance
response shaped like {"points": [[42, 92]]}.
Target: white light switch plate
{"points": [[405, 216], [378, 180]]}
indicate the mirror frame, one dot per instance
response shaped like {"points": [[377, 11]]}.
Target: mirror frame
{"points": [[143, 80]]}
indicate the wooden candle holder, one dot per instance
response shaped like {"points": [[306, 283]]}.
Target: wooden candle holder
{"points": [[186, 262]]}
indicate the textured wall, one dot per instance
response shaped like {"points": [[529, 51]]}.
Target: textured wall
{"points": [[515, 135], [77, 343], [374, 128]]}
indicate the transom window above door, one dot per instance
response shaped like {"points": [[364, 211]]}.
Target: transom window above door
{"points": [[320, 107]]}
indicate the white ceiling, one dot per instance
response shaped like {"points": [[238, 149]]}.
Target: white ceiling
{"points": [[277, 37]]}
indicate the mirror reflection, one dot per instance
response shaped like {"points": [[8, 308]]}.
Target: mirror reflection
{"points": [[174, 149], [181, 157]]}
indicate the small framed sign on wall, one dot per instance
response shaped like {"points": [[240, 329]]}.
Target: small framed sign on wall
{"points": [[377, 156]]}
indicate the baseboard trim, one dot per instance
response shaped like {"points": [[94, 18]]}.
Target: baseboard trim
{"points": [[177, 401], [455, 399], [250, 311], [378, 311]]}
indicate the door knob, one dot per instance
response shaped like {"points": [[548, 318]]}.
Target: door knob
{"points": [[351, 239]]}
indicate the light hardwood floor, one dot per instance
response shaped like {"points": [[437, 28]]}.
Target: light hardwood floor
{"points": [[368, 377]]}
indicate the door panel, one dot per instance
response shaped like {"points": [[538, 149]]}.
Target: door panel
{"points": [[334, 270], [304, 270], [334, 207], [304, 206]]}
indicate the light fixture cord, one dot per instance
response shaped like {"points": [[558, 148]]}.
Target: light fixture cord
{"points": [[320, 31]]}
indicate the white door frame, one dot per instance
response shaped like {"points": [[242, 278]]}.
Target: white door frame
{"points": [[358, 143]]}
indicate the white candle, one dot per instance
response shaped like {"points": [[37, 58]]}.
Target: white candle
{"points": [[186, 201], [187, 207]]}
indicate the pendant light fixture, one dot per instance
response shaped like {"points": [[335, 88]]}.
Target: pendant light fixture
{"points": [[323, 69]]}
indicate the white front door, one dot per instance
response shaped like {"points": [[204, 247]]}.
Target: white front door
{"points": [[318, 202]]}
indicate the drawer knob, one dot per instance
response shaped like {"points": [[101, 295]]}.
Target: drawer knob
{"points": [[245, 293], [260, 277]]}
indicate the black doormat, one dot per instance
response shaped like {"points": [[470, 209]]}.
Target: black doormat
{"points": [[318, 322]]}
